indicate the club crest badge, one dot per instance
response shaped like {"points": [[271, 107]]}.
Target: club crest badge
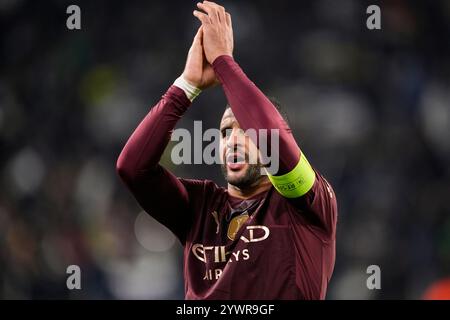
{"points": [[235, 225]]}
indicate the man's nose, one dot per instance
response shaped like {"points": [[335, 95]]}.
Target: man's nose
{"points": [[236, 139]]}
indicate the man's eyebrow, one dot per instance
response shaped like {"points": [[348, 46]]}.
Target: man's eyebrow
{"points": [[226, 122]]}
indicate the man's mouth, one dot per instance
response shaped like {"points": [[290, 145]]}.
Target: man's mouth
{"points": [[235, 161]]}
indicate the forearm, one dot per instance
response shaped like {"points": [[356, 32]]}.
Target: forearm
{"points": [[254, 110], [138, 165], [146, 145]]}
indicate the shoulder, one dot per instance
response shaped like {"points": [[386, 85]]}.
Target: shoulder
{"points": [[316, 209]]}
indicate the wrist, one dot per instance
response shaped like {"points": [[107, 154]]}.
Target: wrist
{"points": [[189, 89], [221, 56]]}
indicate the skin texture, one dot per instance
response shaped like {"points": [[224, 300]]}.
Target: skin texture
{"points": [[214, 38], [245, 180], [197, 71], [217, 30]]}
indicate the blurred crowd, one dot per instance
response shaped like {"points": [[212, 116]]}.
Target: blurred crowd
{"points": [[371, 109]]}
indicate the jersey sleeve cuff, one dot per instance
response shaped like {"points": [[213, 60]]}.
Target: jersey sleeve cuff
{"points": [[191, 91]]}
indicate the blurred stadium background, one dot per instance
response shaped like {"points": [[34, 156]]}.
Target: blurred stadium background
{"points": [[370, 108]]}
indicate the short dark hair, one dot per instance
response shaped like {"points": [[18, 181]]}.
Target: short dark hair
{"points": [[277, 105]]}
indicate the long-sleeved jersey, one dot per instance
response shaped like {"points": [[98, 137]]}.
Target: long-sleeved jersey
{"points": [[279, 244]]}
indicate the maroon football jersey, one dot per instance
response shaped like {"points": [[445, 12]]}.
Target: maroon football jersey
{"points": [[263, 247]]}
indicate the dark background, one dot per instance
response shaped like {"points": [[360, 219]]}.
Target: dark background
{"points": [[370, 109]]}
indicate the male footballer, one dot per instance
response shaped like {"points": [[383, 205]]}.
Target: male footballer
{"points": [[265, 236]]}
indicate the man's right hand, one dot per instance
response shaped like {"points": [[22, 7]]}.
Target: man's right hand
{"points": [[198, 72]]}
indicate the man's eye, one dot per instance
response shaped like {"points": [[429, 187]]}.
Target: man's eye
{"points": [[226, 132]]}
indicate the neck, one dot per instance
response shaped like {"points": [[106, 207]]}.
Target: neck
{"points": [[259, 186]]}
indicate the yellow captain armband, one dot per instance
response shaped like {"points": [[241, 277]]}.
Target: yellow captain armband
{"points": [[296, 183]]}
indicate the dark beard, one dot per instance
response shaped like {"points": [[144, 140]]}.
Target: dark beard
{"points": [[249, 179]]}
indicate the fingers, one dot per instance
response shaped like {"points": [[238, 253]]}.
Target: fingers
{"points": [[204, 18], [221, 13], [228, 19], [197, 43], [215, 12], [199, 35], [210, 11], [197, 39]]}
